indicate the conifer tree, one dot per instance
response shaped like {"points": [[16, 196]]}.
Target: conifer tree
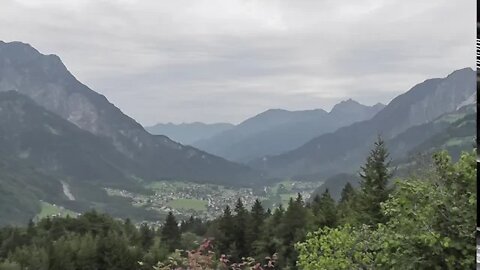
{"points": [[240, 230], [226, 228], [327, 210], [346, 207], [171, 232], [347, 193], [375, 176], [293, 229], [146, 236], [257, 218]]}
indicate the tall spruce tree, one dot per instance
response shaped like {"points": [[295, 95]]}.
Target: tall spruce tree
{"points": [[375, 176], [257, 218], [171, 232], [347, 192], [146, 236], [293, 229], [346, 207], [327, 210], [226, 227], [240, 231]]}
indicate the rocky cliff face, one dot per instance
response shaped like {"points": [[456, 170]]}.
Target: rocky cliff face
{"points": [[427, 101], [47, 81]]}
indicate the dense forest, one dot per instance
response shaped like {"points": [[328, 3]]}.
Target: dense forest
{"points": [[424, 221]]}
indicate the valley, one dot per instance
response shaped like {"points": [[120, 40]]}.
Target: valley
{"points": [[207, 201], [238, 135]]}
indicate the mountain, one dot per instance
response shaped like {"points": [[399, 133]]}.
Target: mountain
{"points": [[41, 155], [21, 189], [457, 137], [345, 149], [409, 143], [188, 133], [29, 132], [276, 131], [453, 132], [47, 81]]}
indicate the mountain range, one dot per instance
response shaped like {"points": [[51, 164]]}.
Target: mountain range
{"points": [[188, 133], [276, 131], [47, 81], [64, 143], [345, 149]]}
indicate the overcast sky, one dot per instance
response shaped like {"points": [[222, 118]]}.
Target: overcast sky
{"points": [[226, 60]]}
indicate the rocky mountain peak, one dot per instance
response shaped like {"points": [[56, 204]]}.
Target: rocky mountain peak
{"points": [[347, 105]]}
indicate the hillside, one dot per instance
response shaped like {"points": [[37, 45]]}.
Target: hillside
{"points": [[453, 132], [46, 80], [41, 153], [345, 149], [422, 139], [29, 132], [457, 137], [276, 131], [21, 188]]}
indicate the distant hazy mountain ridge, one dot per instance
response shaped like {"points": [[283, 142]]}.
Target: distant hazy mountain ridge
{"points": [[188, 133], [276, 131]]}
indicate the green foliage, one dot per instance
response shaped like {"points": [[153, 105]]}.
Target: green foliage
{"points": [[341, 248], [426, 222], [325, 211], [430, 225]]}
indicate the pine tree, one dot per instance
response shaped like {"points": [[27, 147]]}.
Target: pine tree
{"points": [[299, 200], [293, 229], [257, 218], [346, 206], [347, 193], [374, 185], [171, 232], [239, 230], [146, 236], [327, 210], [31, 228], [226, 227]]}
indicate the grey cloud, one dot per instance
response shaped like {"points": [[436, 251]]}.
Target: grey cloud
{"points": [[225, 60]]}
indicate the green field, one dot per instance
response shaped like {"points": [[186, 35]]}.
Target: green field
{"points": [[50, 210], [167, 186], [192, 204]]}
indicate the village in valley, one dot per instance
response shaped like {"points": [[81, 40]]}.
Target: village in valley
{"points": [[207, 201]]}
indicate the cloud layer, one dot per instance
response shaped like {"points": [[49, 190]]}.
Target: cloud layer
{"points": [[226, 60]]}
